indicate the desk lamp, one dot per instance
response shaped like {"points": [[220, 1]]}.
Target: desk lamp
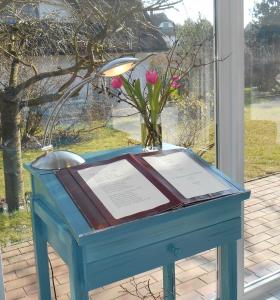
{"points": [[54, 160]]}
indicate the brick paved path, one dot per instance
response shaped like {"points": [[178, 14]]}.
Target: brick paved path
{"points": [[195, 276], [262, 228]]}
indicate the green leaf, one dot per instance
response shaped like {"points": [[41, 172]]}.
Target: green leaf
{"points": [[156, 95], [154, 92], [150, 94], [138, 93], [130, 90], [128, 87]]}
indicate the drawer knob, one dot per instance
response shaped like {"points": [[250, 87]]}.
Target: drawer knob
{"points": [[174, 250]]}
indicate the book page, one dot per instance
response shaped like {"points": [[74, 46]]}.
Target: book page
{"points": [[185, 174], [122, 189]]}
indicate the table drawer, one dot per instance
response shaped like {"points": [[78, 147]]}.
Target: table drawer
{"points": [[141, 259]]}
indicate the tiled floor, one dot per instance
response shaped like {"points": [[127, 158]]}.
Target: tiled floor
{"points": [[262, 228], [195, 276]]}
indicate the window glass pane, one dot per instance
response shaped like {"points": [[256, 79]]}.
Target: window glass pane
{"points": [[262, 134], [191, 124], [187, 120], [65, 43]]}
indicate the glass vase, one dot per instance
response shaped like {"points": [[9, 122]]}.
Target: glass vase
{"points": [[151, 133]]}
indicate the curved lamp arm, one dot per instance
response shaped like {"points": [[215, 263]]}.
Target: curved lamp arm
{"points": [[53, 116]]}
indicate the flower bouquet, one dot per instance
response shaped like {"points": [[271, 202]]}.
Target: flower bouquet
{"points": [[149, 102]]}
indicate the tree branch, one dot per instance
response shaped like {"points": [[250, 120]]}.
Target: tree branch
{"points": [[46, 75], [44, 99], [162, 5], [68, 82], [20, 60], [3, 84], [5, 3]]}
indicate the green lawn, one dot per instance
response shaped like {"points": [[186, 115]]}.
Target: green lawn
{"points": [[262, 145], [15, 228], [262, 157], [262, 148]]}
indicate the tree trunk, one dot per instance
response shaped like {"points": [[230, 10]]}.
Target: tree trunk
{"points": [[11, 139], [12, 162]]}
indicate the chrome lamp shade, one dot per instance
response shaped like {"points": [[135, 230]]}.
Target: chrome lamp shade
{"points": [[54, 160], [117, 66]]}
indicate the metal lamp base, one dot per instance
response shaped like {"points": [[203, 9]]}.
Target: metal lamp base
{"points": [[57, 160]]}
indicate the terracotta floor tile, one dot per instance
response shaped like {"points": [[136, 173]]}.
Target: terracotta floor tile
{"points": [[15, 294]]}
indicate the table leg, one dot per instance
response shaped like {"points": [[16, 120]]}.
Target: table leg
{"points": [[169, 282], [42, 263], [228, 271], [2, 293], [76, 272]]}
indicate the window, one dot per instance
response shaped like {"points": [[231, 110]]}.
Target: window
{"points": [[262, 139]]}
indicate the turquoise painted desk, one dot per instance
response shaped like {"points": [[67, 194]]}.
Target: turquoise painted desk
{"points": [[97, 258]]}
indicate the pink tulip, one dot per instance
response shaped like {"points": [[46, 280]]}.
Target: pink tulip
{"points": [[175, 78], [152, 77], [117, 82], [176, 84]]}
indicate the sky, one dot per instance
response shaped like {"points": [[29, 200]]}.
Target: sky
{"points": [[192, 8]]}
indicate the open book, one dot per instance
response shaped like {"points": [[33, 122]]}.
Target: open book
{"points": [[129, 187]]}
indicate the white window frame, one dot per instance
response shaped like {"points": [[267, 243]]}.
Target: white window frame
{"points": [[229, 30], [230, 87]]}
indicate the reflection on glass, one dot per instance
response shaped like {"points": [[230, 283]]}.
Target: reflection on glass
{"points": [[187, 120], [262, 133]]}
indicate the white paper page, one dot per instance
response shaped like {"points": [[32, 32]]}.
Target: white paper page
{"points": [[122, 189], [185, 174]]}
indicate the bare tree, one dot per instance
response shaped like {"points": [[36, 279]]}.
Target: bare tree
{"points": [[94, 31]]}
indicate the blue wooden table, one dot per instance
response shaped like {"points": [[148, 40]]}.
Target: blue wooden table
{"points": [[97, 258]]}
